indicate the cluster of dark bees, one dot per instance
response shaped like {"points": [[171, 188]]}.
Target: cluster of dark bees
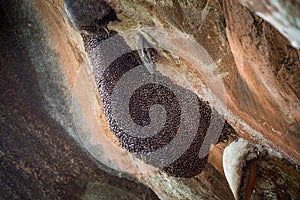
{"points": [[188, 164], [91, 18]]}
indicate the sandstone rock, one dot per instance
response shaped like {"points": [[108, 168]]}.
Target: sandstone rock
{"points": [[283, 15], [46, 84]]}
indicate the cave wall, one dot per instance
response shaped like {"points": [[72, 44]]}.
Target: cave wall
{"points": [[43, 55]]}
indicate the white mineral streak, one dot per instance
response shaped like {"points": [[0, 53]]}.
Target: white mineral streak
{"points": [[234, 160]]}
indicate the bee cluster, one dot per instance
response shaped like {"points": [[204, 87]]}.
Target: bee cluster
{"points": [[188, 164]]}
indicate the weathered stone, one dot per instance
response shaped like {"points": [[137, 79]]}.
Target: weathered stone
{"points": [[41, 154], [39, 158], [268, 78]]}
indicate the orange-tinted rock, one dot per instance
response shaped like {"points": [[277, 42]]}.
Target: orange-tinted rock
{"points": [[270, 64], [268, 78]]}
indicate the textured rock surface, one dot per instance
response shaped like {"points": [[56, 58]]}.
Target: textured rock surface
{"points": [[283, 15], [38, 157], [42, 155], [268, 78]]}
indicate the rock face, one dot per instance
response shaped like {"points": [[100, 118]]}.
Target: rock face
{"points": [[283, 15], [268, 71], [39, 159], [56, 141]]}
